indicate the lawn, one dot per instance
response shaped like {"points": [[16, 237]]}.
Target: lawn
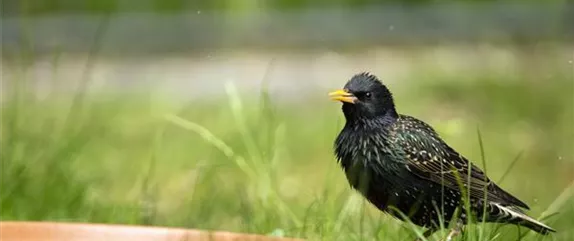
{"points": [[244, 162]]}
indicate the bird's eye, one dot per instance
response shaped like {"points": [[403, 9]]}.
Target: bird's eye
{"points": [[368, 94]]}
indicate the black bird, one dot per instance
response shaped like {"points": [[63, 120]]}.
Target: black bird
{"points": [[402, 166]]}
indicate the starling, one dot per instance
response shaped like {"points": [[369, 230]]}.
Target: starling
{"points": [[402, 166]]}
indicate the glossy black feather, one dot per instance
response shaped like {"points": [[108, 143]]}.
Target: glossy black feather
{"points": [[401, 165]]}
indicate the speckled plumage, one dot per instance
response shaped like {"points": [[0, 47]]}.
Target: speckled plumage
{"points": [[401, 165]]}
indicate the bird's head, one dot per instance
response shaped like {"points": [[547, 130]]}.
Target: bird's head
{"points": [[365, 97]]}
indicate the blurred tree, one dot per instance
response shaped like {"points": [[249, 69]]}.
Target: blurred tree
{"points": [[39, 7]]}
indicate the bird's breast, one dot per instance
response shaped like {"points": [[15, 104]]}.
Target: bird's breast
{"points": [[365, 154], [362, 147]]}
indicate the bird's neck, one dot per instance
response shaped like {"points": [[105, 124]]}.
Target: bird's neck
{"points": [[386, 119], [389, 117]]}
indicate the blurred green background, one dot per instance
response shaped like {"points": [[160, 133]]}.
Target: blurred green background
{"points": [[214, 114], [170, 6]]}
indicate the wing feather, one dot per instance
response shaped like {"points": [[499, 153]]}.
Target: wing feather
{"points": [[430, 158]]}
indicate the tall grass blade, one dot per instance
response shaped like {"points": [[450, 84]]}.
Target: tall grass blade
{"points": [[485, 197], [509, 168], [214, 140]]}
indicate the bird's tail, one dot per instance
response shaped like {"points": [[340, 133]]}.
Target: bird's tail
{"points": [[515, 215]]}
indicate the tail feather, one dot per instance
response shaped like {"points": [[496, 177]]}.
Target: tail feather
{"points": [[511, 199], [509, 214]]}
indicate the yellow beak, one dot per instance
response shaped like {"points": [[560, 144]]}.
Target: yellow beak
{"points": [[344, 96]]}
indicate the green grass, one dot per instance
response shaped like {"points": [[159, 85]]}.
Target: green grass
{"points": [[251, 165]]}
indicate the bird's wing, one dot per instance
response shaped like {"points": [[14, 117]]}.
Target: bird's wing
{"points": [[430, 158]]}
